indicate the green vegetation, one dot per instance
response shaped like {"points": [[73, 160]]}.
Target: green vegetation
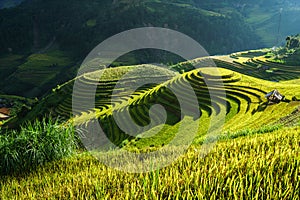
{"points": [[95, 21], [256, 147], [244, 96], [270, 65], [35, 144], [35, 75], [18, 106], [256, 154], [9, 3], [245, 24], [54, 42], [271, 20], [8, 64], [252, 167], [293, 42]]}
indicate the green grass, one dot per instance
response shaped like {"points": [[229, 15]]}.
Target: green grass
{"points": [[91, 23], [35, 75], [18, 106], [47, 60], [256, 155], [8, 64], [41, 68], [253, 167], [244, 98], [34, 144]]}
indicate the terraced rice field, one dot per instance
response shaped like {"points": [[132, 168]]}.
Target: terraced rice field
{"points": [[253, 167], [239, 98], [259, 67], [256, 155]]}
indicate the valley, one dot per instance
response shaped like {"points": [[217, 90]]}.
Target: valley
{"points": [[251, 124], [149, 125]]}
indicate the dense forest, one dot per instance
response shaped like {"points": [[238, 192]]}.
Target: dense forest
{"points": [[65, 31], [78, 26], [9, 3], [149, 124]]}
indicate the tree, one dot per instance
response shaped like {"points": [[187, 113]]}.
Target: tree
{"points": [[293, 42]]}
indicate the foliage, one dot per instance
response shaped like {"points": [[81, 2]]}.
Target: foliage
{"points": [[219, 27], [35, 75], [249, 161], [252, 167], [35, 144], [293, 42], [95, 21], [9, 3]]}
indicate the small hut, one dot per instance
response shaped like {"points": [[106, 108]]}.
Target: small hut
{"points": [[274, 97]]}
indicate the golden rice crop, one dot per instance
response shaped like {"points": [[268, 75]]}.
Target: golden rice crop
{"points": [[253, 167]]}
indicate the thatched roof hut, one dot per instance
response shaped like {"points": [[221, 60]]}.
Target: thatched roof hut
{"points": [[274, 97]]}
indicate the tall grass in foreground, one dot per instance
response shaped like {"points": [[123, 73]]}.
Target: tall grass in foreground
{"points": [[252, 167], [34, 144]]}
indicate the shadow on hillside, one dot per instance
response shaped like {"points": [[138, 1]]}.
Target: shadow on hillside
{"points": [[262, 107]]}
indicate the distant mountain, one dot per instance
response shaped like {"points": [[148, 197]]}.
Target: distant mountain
{"points": [[80, 25], [77, 26], [271, 20], [9, 3], [65, 31]]}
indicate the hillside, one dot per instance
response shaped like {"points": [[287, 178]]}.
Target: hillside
{"points": [[9, 3], [53, 37], [247, 77], [255, 166], [150, 124], [39, 22], [61, 33], [271, 20], [255, 143]]}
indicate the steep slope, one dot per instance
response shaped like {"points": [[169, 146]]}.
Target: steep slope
{"points": [[256, 167], [71, 29], [245, 86], [244, 103], [9, 3], [90, 22], [271, 20]]}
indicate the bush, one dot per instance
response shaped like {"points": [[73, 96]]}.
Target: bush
{"points": [[35, 144]]}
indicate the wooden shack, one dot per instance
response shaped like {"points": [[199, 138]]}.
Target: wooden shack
{"points": [[274, 97]]}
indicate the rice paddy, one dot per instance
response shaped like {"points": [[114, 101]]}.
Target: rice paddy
{"points": [[253, 167], [256, 155]]}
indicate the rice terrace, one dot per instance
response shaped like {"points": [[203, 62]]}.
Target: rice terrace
{"points": [[246, 118]]}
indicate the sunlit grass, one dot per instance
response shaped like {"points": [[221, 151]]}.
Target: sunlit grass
{"points": [[252, 167], [34, 144]]}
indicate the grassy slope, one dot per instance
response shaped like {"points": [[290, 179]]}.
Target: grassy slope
{"points": [[266, 22], [36, 74], [245, 94], [9, 3], [8, 64], [245, 98], [33, 76], [252, 167], [22, 81], [255, 167], [95, 21]]}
